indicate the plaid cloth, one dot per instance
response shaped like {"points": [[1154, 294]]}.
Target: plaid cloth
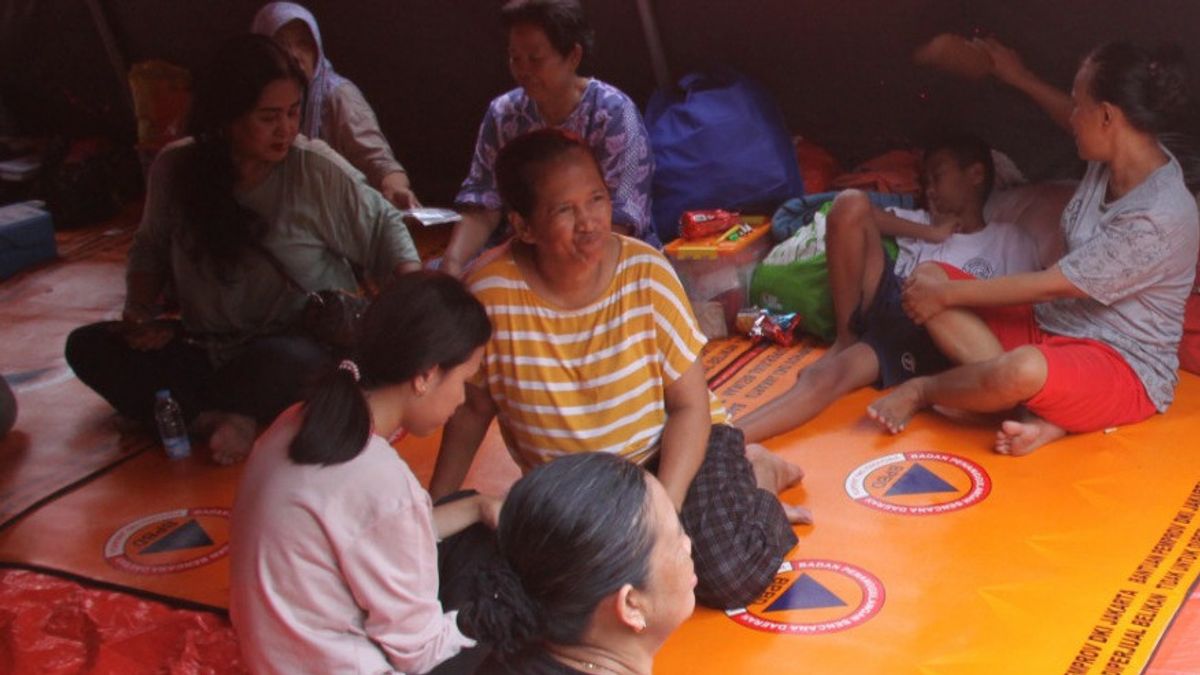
{"points": [[739, 531]]}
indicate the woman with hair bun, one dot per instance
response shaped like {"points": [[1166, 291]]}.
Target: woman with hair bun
{"points": [[1099, 349], [597, 572], [334, 547]]}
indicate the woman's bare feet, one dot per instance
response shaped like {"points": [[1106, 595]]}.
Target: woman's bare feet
{"points": [[775, 474], [232, 438], [1023, 437], [893, 411]]}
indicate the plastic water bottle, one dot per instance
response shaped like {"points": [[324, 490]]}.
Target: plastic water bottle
{"points": [[171, 427]]}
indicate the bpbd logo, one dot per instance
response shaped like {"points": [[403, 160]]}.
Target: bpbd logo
{"points": [[919, 483], [171, 541], [811, 597]]}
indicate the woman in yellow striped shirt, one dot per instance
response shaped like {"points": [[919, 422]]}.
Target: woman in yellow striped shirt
{"points": [[595, 349]]}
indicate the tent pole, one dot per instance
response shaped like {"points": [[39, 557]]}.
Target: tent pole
{"points": [[658, 57], [115, 59]]}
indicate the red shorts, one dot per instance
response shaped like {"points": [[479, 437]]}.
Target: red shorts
{"points": [[1189, 345], [1088, 387]]}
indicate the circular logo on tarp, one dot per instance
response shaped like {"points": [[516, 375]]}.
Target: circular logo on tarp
{"points": [[810, 597], [919, 483], [172, 541]]}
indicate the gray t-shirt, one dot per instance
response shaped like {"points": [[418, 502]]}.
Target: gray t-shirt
{"points": [[320, 214], [1135, 258]]}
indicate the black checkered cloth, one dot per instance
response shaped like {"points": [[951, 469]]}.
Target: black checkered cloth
{"points": [[739, 531]]}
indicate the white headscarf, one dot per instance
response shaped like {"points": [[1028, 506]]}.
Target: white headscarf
{"points": [[267, 22]]}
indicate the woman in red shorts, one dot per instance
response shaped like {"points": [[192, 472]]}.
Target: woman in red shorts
{"points": [[1091, 342]]}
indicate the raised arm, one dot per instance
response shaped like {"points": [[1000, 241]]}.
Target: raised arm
{"points": [[1008, 68]]}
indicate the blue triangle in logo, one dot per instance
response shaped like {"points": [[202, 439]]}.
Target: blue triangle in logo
{"points": [[187, 535], [805, 593], [919, 480]]}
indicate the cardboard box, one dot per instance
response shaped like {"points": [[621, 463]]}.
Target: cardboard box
{"points": [[26, 237]]}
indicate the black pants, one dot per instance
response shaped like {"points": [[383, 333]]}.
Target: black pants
{"points": [[268, 374]]}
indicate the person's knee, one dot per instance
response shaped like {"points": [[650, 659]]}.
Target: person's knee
{"points": [[850, 211], [931, 271], [85, 345], [1019, 374]]}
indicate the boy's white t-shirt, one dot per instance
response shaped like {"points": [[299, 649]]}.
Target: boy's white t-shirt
{"points": [[998, 249]]}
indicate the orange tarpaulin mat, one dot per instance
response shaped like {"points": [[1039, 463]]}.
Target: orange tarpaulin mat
{"points": [[930, 554]]}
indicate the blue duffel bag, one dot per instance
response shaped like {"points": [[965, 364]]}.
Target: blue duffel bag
{"points": [[719, 141]]}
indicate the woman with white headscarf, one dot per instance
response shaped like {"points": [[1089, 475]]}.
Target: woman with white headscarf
{"points": [[336, 111]]}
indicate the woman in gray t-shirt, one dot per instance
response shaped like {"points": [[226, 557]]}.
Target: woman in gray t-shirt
{"points": [[1099, 348]]}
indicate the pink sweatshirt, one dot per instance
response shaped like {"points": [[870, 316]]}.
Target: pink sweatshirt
{"points": [[334, 569]]}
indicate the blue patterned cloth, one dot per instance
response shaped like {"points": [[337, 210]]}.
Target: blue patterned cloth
{"points": [[606, 119]]}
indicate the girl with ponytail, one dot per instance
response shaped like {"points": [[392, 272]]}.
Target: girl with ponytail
{"points": [[596, 572], [334, 545]]}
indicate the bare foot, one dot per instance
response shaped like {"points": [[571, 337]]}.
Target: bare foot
{"points": [[772, 473], [776, 474], [893, 411], [796, 514], [1021, 438], [231, 439]]}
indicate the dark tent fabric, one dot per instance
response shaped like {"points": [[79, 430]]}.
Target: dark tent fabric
{"points": [[840, 71]]}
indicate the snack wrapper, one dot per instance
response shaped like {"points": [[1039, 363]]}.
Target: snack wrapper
{"points": [[762, 324], [701, 224]]}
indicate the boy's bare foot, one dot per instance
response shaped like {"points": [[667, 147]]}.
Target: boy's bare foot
{"points": [[1021, 438], [232, 438], [893, 411]]}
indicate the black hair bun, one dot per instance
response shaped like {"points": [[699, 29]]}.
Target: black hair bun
{"points": [[502, 613], [1168, 81]]}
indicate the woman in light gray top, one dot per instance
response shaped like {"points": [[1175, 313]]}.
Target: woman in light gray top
{"points": [[1099, 348]]}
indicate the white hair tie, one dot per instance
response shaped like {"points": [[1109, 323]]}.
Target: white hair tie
{"points": [[350, 367]]}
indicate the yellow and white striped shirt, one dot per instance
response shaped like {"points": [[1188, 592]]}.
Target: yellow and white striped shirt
{"points": [[590, 379]]}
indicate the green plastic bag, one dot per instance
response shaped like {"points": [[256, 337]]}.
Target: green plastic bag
{"points": [[802, 287]]}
